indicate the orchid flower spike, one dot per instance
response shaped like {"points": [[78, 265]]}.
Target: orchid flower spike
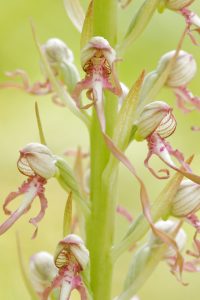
{"points": [[71, 258], [155, 124], [185, 204], [183, 71], [97, 60], [38, 163], [191, 18], [42, 271]]}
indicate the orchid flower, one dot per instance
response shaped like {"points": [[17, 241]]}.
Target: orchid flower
{"points": [[37, 162], [185, 204], [71, 259], [60, 59], [192, 19], [97, 59], [42, 271], [170, 255], [183, 71], [155, 124]]}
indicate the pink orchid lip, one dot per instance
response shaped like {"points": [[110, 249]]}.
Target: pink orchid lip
{"points": [[38, 88], [184, 96], [192, 20], [68, 278], [158, 146], [33, 187]]}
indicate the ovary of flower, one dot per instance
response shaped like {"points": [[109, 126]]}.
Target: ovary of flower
{"points": [[97, 61]]}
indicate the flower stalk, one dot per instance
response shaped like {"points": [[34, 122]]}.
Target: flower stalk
{"points": [[101, 222]]}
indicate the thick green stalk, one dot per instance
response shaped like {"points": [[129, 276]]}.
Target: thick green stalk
{"points": [[103, 185]]}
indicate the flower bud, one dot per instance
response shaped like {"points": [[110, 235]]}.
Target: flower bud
{"points": [[37, 159], [98, 47], [187, 199], [168, 227], [156, 117], [42, 270], [57, 51], [70, 249], [60, 58], [178, 4], [183, 70]]}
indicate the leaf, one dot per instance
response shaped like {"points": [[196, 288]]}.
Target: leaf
{"points": [[125, 120], [39, 124], [124, 3], [67, 220], [78, 168], [87, 31], [139, 23], [25, 277], [68, 181], [75, 13]]}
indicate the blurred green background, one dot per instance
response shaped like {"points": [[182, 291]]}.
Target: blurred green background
{"points": [[64, 131]]}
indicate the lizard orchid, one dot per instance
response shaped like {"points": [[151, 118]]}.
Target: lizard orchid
{"points": [[183, 71], [170, 255], [42, 271], [60, 59], [155, 124], [185, 204], [38, 163], [71, 258], [98, 60]]}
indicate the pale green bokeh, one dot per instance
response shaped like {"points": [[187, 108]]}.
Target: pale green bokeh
{"points": [[63, 131]]}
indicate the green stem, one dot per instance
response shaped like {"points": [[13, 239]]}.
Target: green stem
{"points": [[100, 229]]}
